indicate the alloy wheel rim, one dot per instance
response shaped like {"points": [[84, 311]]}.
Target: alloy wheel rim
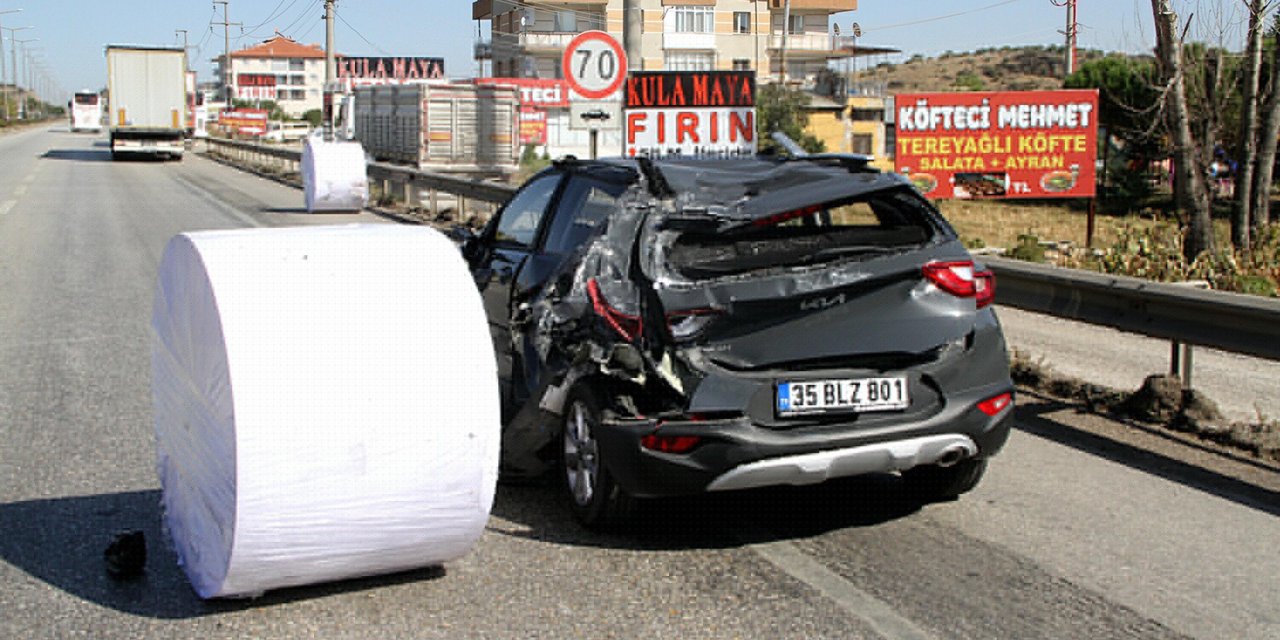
{"points": [[581, 465]]}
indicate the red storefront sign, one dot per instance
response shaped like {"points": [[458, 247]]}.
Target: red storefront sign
{"points": [[256, 86], [1017, 144], [535, 92], [690, 113]]}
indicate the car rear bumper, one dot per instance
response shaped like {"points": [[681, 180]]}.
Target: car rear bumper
{"points": [[736, 454]]}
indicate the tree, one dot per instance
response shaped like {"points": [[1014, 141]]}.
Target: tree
{"points": [[314, 117], [779, 108], [1247, 149], [1269, 136], [1190, 192]]}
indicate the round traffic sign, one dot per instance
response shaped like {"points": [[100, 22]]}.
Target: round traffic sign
{"points": [[594, 65]]}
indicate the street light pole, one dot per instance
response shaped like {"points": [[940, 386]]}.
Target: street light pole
{"points": [[13, 64], [22, 109], [2, 85]]}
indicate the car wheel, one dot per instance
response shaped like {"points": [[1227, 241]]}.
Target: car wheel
{"points": [[596, 501], [934, 483]]}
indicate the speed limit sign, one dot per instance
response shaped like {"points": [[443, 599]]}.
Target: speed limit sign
{"points": [[594, 65]]}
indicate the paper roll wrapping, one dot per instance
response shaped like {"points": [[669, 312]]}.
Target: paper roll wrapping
{"points": [[334, 175], [326, 404]]}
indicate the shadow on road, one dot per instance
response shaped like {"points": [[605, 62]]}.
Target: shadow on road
{"points": [[1031, 419], [79, 155], [61, 541], [713, 521]]}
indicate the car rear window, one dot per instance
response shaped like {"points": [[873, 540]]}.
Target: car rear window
{"points": [[870, 226]]}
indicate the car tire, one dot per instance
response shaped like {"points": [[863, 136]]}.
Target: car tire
{"points": [[934, 483], [595, 499]]}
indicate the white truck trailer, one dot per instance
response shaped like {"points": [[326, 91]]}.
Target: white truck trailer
{"points": [[147, 98], [440, 127]]}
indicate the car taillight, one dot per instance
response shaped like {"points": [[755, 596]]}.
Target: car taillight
{"points": [[961, 280], [669, 444], [994, 405], [984, 283], [627, 326]]}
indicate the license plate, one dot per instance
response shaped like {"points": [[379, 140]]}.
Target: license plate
{"points": [[847, 395]]}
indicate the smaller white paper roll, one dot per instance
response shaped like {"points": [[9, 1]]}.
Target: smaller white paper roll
{"points": [[334, 175]]}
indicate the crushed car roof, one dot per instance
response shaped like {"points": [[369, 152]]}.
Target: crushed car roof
{"points": [[754, 187]]}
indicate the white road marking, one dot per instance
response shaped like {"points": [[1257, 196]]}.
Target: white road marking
{"points": [[20, 190], [875, 612], [6, 206]]}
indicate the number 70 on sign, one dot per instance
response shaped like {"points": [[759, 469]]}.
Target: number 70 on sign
{"points": [[594, 65]]}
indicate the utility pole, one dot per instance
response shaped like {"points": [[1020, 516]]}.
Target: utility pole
{"points": [[786, 27], [226, 47], [632, 30], [329, 71], [22, 110], [1073, 28]]}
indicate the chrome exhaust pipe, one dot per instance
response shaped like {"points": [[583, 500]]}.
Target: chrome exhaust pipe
{"points": [[953, 455]]}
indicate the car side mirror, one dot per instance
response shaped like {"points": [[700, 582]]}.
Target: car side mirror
{"points": [[466, 239]]}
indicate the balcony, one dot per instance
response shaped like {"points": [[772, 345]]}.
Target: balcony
{"points": [[808, 45], [694, 41], [544, 41], [828, 5]]}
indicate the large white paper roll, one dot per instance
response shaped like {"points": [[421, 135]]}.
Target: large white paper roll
{"points": [[334, 175], [326, 404]]}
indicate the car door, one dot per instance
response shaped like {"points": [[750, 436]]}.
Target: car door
{"points": [[504, 249]]}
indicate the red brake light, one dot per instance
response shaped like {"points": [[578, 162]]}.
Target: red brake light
{"points": [[627, 326], [962, 280], [992, 406], [669, 444]]}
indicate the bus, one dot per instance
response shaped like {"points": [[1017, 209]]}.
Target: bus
{"points": [[86, 111]]}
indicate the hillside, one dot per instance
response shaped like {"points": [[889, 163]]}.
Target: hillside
{"points": [[1004, 69]]}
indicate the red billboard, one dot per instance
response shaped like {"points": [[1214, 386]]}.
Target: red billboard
{"points": [[1012, 144], [245, 121], [533, 126], [690, 113], [540, 93]]}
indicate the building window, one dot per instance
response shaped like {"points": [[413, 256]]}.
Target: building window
{"points": [[297, 64], [565, 22], [689, 61], [741, 22], [298, 80], [797, 24], [862, 144], [279, 65], [694, 19], [866, 115], [741, 64]]}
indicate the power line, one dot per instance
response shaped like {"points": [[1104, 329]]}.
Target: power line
{"points": [[357, 32], [937, 18]]}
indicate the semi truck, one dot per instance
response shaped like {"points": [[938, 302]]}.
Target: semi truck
{"points": [[147, 94], [451, 128]]}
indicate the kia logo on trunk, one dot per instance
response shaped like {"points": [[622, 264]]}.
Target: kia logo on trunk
{"points": [[818, 304]]}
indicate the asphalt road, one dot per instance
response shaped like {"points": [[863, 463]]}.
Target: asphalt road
{"points": [[1083, 528]]}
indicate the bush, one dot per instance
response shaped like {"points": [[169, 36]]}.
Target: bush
{"points": [[1027, 249]]}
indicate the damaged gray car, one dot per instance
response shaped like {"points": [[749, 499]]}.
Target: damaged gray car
{"points": [[670, 327]]}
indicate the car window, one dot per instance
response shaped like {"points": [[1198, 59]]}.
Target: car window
{"points": [[520, 218], [585, 205]]}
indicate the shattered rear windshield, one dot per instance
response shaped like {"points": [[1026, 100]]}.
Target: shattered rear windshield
{"points": [[871, 225]]}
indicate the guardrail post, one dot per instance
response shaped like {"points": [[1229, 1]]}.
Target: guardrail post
{"points": [[435, 202], [1180, 362], [409, 192]]}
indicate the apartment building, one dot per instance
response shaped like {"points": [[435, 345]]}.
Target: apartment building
{"points": [[529, 36], [279, 69]]}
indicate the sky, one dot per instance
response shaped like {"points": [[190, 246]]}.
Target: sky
{"points": [[72, 33]]}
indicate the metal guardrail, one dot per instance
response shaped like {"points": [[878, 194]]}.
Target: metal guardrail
{"points": [[1248, 325]]}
